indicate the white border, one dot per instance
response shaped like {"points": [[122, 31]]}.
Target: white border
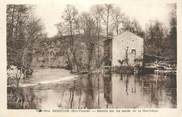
{"points": [[4, 112]]}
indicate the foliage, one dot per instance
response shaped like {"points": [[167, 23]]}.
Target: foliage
{"points": [[154, 37], [132, 26], [22, 30], [104, 20]]}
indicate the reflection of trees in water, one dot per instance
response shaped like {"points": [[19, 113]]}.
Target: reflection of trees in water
{"points": [[170, 89], [72, 90], [173, 94], [134, 88], [121, 76], [152, 89], [160, 89], [154, 94], [15, 97], [86, 93], [22, 98], [80, 96], [107, 88], [61, 100], [89, 92], [127, 81], [90, 88], [98, 89]]}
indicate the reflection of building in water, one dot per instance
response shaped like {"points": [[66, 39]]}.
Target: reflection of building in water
{"points": [[120, 91], [108, 91], [126, 92]]}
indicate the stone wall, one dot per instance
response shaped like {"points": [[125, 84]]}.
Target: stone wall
{"points": [[128, 49]]}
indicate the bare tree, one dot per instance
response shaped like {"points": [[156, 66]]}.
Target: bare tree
{"points": [[97, 12], [88, 26], [17, 16], [33, 32], [22, 30], [70, 16], [133, 26], [108, 8], [117, 19]]}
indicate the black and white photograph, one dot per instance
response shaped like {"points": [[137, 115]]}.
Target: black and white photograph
{"points": [[91, 55]]}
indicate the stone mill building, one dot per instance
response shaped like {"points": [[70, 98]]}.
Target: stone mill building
{"points": [[125, 49]]}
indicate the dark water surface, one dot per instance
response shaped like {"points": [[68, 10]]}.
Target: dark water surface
{"points": [[105, 91]]}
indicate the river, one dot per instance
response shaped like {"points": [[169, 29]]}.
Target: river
{"points": [[99, 90]]}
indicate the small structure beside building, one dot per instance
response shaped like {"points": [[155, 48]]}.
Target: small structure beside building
{"points": [[126, 49]]}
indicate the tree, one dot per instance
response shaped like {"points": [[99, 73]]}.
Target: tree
{"points": [[132, 26], [33, 32], [70, 17], [107, 11], [154, 37], [97, 12], [117, 19], [89, 28], [22, 29], [173, 32], [17, 16]]}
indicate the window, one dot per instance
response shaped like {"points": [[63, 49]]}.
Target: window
{"points": [[133, 51]]}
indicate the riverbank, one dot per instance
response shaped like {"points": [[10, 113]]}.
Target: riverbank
{"points": [[47, 76]]}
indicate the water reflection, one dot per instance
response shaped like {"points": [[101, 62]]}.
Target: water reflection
{"points": [[143, 91], [106, 91]]}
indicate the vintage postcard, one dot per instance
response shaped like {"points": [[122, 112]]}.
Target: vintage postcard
{"points": [[77, 57]]}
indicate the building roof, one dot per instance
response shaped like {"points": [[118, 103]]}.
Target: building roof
{"points": [[125, 35], [128, 35]]}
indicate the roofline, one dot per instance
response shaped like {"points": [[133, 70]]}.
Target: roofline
{"points": [[129, 32]]}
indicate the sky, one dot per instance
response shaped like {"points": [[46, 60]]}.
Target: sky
{"points": [[143, 11]]}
